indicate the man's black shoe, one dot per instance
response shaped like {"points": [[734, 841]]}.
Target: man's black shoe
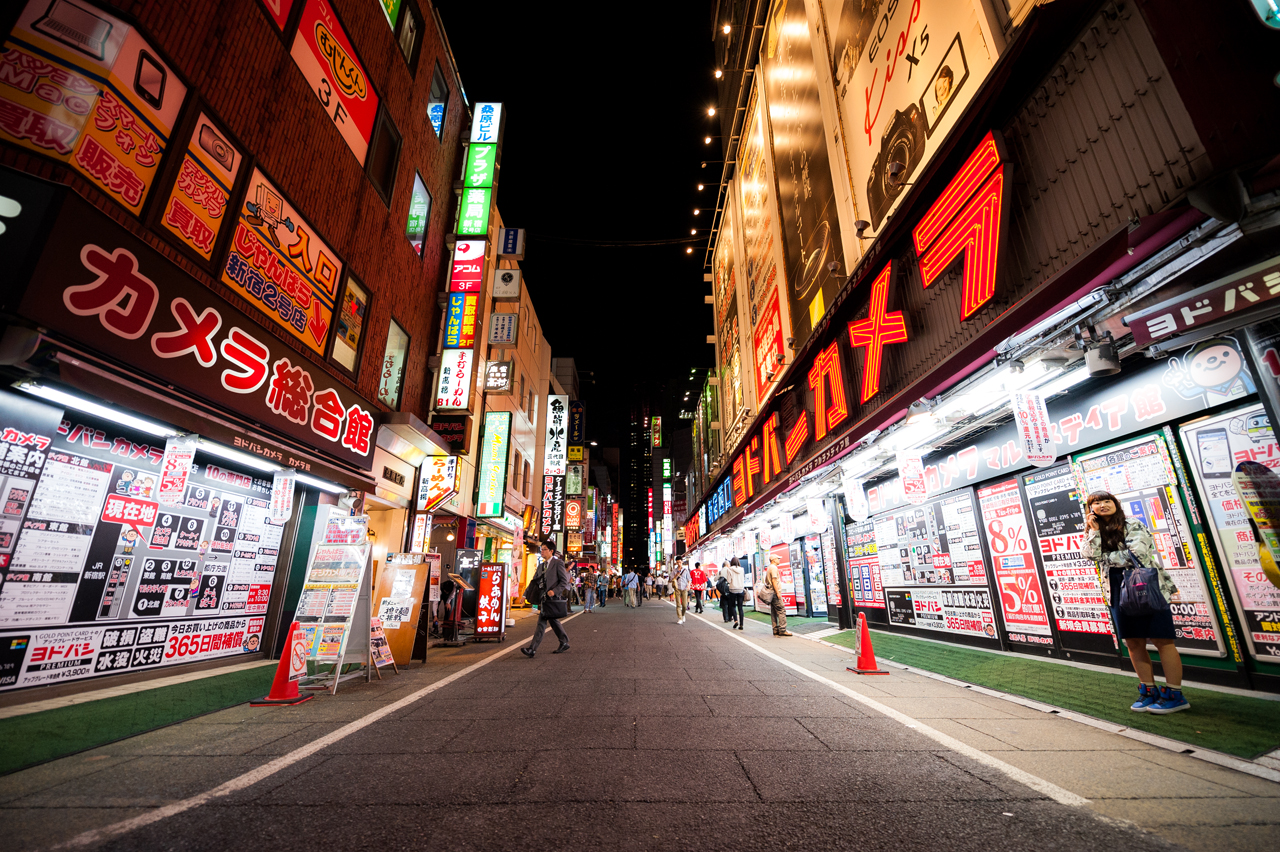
{"points": [[559, 650], [528, 652]]}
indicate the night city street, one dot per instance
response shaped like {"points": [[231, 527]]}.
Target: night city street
{"points": [[763, 424]]}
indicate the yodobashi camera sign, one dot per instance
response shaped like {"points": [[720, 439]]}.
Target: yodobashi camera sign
{"points": [[904, 75]]}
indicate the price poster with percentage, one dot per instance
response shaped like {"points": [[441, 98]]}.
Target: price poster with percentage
{"points": [[99, 577], [1141, 476], [932, 567], [1076, 599], [1215, 446], [865, 586], [1026, 618]]}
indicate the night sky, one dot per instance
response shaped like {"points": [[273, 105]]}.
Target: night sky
{"points": [[606, 116]]}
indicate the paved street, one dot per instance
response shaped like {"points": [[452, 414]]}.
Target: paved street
{"points": [[646, 735]]}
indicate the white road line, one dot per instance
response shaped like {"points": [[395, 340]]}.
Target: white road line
{"points": [[1053, 791], [97, 835]]}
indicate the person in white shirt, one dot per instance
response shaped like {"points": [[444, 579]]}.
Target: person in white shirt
{"points": [[682, 583]]}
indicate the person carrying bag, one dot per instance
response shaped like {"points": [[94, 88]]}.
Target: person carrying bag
{"points": [[1139, 591], [554, 580]]}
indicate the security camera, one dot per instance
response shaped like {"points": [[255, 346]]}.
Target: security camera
{"points": [[833, 267], [896, 171], [861, 226]]}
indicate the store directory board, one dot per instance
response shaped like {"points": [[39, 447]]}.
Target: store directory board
{"points": [[98, 576], [1215, 446], [932, 567]]}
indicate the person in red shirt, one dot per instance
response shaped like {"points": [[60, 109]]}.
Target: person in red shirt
{"points": [[698, 579]]}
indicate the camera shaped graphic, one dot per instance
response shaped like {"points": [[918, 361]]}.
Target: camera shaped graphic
{"points": [[903, 142], [217, 148]]}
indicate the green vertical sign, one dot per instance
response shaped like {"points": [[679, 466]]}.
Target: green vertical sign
{"points": [[481, 160], [473, 217], [391, 8]]}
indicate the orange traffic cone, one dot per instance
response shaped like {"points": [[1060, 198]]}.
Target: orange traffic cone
{"points": [[293, 664], [866, 664]]}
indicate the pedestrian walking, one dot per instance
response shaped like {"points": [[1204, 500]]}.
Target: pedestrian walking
{"points": [[698, 579], [722, 591], [682, 582], [602, 587], [555, 584], [630, 582], [1119, 546], [589, 582], [777, 607], [648, 585], [734, 591]]}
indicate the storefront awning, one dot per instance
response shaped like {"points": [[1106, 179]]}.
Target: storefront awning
{"points": [[407, 437]]}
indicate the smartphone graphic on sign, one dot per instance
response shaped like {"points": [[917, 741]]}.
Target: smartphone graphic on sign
{"points": [[1215, 453]]}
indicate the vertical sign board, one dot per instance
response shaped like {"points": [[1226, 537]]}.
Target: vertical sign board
{"points": [[453, 391], [577, 424], [511, 243], [555, 453], [655, 431], [85, 88], [493, 464], [467, 271], [460, 322], [481, 165], [327, 60], [281, 266], [553, 504], [491, 604], [503, 329], [437, 481], [194, 211]]}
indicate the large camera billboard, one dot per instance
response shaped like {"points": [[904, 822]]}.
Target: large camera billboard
{"points": [[806, 195], [904, 73]]}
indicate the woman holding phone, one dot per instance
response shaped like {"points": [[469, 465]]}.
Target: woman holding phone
{"points": [[1110, 539]]}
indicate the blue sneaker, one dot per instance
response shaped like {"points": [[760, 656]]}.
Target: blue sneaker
{"points": [[1171, 701], [1147, 696]]}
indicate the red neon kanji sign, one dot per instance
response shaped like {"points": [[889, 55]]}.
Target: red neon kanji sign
{"points": [[878, 329], [828, 411], [967, 219]]}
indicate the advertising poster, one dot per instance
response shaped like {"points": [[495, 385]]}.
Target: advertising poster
{"points": [[761, 240], [331, 588], [83, 87], [904, 73], [555, 455], [806, 194], [553, 505], [1080, 609], [1140, 475], [932, 569], [1215, 447], [832, 575], [326, 58], [1026, 618], [1034, 429], [279, 264], [817, 575], [194, 211], [99, 577], [437, 481], [865, 586]]}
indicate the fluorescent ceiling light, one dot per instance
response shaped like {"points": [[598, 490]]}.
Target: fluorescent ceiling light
{"points": [[87, 406], [322, 484], [237, 456]]}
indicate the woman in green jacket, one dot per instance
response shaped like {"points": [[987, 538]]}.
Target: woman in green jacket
{"points": [[1109, 539]]}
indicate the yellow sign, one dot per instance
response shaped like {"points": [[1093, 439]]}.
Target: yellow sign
{"points": [[575, 453], [279, 264], [196, 206], [83, 87]]}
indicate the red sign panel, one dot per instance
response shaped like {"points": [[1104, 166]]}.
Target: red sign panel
{"points": [[467, 271], [491, 600]]}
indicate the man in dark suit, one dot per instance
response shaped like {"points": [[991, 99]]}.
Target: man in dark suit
{"points": [[554, 578]]}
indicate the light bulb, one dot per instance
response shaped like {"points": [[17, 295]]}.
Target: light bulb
{"points": [[707, 141], [701, 187], [719, 73], [688, 251], [696, 211], [711, 110], [693, 230], [726, 29]]}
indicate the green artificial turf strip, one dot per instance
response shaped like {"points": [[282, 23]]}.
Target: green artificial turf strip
{"points": [[49, 734], [1235, 724], [764, 618]]}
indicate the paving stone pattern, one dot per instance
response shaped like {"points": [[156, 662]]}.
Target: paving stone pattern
{"points": [[646, 735]]}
